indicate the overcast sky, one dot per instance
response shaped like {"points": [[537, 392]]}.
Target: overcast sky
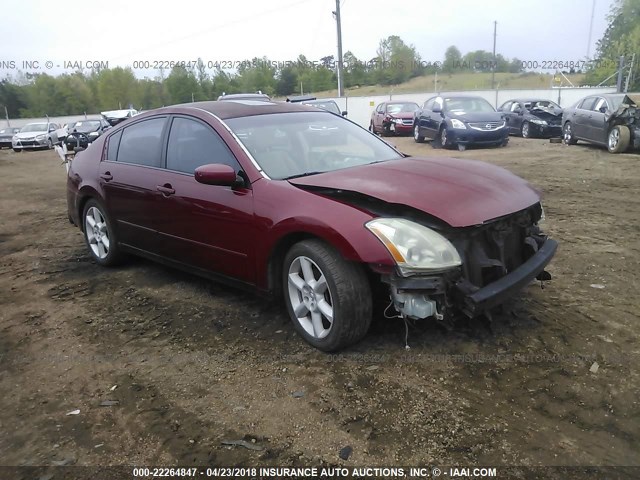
{"points": [[122, 31]]}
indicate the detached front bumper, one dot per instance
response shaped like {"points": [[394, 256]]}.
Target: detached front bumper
{"points": [[475, 301], [546, 131], [422, 297]]}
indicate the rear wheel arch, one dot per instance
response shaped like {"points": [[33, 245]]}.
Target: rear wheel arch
{"points": [[84, 196]]}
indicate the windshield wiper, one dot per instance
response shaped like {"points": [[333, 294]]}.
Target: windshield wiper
{"points": [[304, 174]]}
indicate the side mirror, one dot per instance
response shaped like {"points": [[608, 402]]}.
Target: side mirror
{"points": [[520, 112], [436, 109], [216, 174], [603, 109], [344, 113]]}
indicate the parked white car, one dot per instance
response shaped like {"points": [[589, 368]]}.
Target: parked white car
{"points": [[36, 135]]}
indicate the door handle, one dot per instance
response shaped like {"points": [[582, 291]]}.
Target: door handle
{"points": [[106, 176], [165, 189]]}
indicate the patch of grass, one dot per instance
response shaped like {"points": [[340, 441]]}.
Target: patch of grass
{"points": [[458, 81]]}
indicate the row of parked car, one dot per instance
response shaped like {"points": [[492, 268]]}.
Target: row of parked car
{"points": [[78, 134], [611, 120]]}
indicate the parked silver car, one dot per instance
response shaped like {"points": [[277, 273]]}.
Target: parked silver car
{"points": [[36, 135]]}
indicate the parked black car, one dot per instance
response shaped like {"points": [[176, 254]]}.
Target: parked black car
{"points": [[611, 120], [533, 117], [6, 134], [460, 121], [83, 132]]}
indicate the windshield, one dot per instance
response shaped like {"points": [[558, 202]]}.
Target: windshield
{"points": [[304, 143], [466, 105], [402, 107], [35, 127], [86, 126], [330, 106]]}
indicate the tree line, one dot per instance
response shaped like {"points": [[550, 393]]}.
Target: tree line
{"points": [[36, 95], [395, 62]]}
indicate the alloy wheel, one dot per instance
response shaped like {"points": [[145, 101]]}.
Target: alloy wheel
{"points": [[310, 297], [614, 138], [97, 232]]}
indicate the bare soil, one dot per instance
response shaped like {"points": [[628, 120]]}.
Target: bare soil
{"points": [[552, 381]]}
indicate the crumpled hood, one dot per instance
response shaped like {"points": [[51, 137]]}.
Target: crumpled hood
{"points": [[459, 192]]}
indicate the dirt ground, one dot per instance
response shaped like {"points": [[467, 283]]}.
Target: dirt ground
{"points": [[188, 364]]}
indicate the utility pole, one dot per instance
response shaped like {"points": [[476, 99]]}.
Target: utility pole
{"points": [[593, 11], [339, 26], [493, 64], [620, 74], [6, 114]]}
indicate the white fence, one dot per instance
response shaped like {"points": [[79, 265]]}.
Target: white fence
{"points": [[20, 122], [360, 108]]}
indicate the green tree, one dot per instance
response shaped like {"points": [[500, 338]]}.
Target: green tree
{"points": [[287, 81], [622, 37], [452, 59], [182, 85]]}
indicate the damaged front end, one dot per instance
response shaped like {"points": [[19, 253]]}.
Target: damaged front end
{"points": [[496, 260], [627, 115]]}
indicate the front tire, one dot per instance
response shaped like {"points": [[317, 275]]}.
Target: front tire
{"points": [[618, 139], [99, 235], [416, 134], [445, 142], [525, 130], [328, 298], [17, 150]]}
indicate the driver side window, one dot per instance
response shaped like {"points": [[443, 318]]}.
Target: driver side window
{"points": [[193, 144]]}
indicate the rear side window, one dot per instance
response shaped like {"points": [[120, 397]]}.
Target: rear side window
{"points": [[193, 144], [140, 143], [112, 149], [587, 103]]}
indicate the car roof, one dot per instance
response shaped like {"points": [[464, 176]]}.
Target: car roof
{"points": [[244, 96], [525, 100], [237, 108]]}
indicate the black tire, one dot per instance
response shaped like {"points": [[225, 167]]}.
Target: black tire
{"points": [[525, 130], [443, 138], [49, 144], [567, 131], [113, 254], [618, 139], [348, 289], [371, 128], [385, 131], [416, 134], [17, 150]]}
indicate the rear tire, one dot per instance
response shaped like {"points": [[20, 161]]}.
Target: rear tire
{"points": [[618, 139], [416, 134], [328, 299], [567, 130], [17, 150], [99, 234]]}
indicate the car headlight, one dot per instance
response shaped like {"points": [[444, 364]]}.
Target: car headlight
{"points": [[94, 134], [397, 120], [455, 123], [41, 137], [539, 122], [414, 247]]}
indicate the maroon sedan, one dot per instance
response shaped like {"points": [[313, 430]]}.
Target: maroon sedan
{"points": [[393, 118], [297, 202]]}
